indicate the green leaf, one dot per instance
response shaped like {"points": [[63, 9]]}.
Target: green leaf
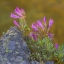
{"points": [[45, 56]]}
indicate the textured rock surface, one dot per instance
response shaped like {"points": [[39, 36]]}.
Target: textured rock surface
{"points": [[49, 62], [13, 49]]}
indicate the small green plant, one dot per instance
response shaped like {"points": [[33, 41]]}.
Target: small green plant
{"points": [[40, 41]]}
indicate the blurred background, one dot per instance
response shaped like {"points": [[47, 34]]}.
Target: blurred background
{"points": [[35, 9]]}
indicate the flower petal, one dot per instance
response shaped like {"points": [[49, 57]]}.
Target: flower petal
{"points": [[17, 12], [34, 27], [50, 35], [44, 19], [14, 16], [50, 23], [33, 36], [40, 24], [16, 23], [18, 9], [20, 12], [56, 45]]}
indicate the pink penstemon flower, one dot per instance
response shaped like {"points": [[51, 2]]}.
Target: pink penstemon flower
{"points": [[14, 16], [44, 20], [19, 13], [50, 23], [33, 36], [50, 35], [39, 23], [34, 27], [16, 24], [56, 45]]}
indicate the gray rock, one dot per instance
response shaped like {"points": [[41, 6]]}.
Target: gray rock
{"points": [[13, 49], [34, 62], [49, 62]]}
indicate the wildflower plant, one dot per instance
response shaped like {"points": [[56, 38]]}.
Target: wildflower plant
{"points": [[20, 14], [40, 41]]}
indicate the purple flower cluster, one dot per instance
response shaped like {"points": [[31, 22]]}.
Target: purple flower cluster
{"points": [[18, 13], [40, 24], [42, 28]]}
